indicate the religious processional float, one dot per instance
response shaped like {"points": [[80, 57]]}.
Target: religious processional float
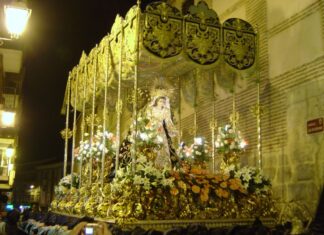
{"points": [[132, 157]]}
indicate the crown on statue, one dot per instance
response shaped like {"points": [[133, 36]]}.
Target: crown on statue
{"points": [[157, 92], [162, 87]]}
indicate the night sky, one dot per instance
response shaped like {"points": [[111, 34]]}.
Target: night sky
{"points": [[58, 32]]}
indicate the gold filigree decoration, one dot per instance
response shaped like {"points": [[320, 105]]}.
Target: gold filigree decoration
{"points": [[96, 122], [239, 43], [193, 130], [213, 125], [143, 96], [130, 36], [202, 47], [202, 29], [66, 135], [162, 31], [257, 110], [234, 119]]}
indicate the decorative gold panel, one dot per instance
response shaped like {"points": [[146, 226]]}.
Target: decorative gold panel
{"points": [[239, 46], [202, 34], [162, 32]]}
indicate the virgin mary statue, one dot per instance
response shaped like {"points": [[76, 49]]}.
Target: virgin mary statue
{"points": [[159, 113]]}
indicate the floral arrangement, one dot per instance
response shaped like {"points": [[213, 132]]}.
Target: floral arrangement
{"points": [[65, 184], [206, 187], [224, 185], [95, 148], [147, 134], [198, 152], [146, 175], [229, 140], [252, 178], [149, 193]]}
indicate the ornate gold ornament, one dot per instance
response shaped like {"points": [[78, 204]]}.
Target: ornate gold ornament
{"points": [[213, 125], [257, 110], [234, 119], [165, 33], [193, 130], [162, 32], [239, 46], [202, 34], [66, 135], [97, 120]]}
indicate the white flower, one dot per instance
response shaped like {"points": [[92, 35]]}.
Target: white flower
{"points": [[147, 183], [242, 144], [110, 135], [229, 168], [258, 179], [144, 136], [198, 141], [141, 159], [167, 181], [138, 179], [159, 139], [246, 177], [245, 185], [198, 153], [101, 146]]}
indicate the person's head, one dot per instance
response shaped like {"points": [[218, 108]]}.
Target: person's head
{"points": [[13, 216], [35, 207], [160, 102], [3, 201]]}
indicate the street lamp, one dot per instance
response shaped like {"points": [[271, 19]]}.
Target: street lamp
{"points": [[7, 118], [16, 19], [16, 16]]}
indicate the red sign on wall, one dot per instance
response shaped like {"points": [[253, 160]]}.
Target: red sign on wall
{"points": [[315, 125]]}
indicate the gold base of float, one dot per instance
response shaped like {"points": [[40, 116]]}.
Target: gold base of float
{"points": [[163, 225]]}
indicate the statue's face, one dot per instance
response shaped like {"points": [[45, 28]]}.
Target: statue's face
{"points": [[161, 103]]}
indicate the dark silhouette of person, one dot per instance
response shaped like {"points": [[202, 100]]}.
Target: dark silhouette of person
{"points": [[317, 226], [11, 221]]}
